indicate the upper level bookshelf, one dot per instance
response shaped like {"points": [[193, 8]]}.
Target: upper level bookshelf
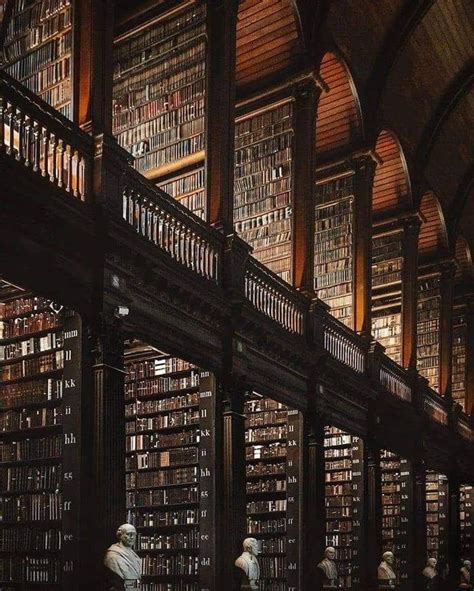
{"points": [[38, 48], [334, 244], [458, 379], [263, 185], [387, 266], [159, 100], [428, 328], [31, 440], [344, 458], [466, 514]]}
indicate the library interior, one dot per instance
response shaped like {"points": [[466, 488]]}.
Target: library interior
{"points": [[236, 295]]}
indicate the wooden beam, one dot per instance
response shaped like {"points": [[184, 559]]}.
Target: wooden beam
{"points": [[456, 91], [409, 17]]}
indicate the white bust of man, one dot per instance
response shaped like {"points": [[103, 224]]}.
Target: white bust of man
{"points": [[430, 571], [329, 568], [120, 557], [385, 571], [465, 575], [248, 562]]}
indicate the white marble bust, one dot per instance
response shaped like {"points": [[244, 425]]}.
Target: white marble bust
{"points": [[465, 575], [248, 562], [120, 557], [430, 571], [385, 572], [329, 568]]}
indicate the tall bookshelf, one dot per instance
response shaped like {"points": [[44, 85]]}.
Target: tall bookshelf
{"points": [[466, 506], [169, 423], [428, 328], [396, 500], [387, 265], [334, 244], [272, 472], [344, 454], [37, 49], [263, 185], [458, 379], [437, 516], [159, 100], [31, 440]]}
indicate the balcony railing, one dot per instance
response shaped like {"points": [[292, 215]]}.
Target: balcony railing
{"points": [[464, 428], [36, 135], [434, 407], [174, 229], [395, 379], [343, 344], [274, 298]]}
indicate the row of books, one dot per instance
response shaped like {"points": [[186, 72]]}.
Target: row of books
{"points": [[171, 420], [156, 367], [181, 540], [35, 507], [17, 420], [164, 459], [32, 367], [31, 449], [160, 496], [29, 478], [428, 330], [37, 322], [266, 506], [30, 538], [186, 475], [165, 404], [165, 518], [265, 486], [22, 306], [31, 392], [189, 190], [458, 379], [30, 569], [161, 440], [152, 386], [264, 469], [179, 564], [30, 346], [264, 526], [178, 586]]}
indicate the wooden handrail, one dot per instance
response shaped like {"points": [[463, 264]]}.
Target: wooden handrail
{"points": [[344, 345], [395, 379], [434, 406]]}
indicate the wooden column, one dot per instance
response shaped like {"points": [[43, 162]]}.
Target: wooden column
{"points": [[470, 356], [93, 64], [304, 169], [364, 167], [446, 328], [108, 436], [220, 107], [416, 522], [411, 230], [233, 518], [313, 506], [373, 513]]}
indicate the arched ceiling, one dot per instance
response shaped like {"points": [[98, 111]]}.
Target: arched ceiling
{"points": [[433, 240], [413, 62]]}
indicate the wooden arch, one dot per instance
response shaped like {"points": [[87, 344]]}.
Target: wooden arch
{"points": [[339, 119], [463, 257], [433, 237], [269, 39], [391, 190]]}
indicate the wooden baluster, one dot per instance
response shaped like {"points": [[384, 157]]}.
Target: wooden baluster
{"points": [[27, 140], [20, 118], [54, 163], [11, 139], [2, 123], [69, 168], [45, 137], [125, 205], [60, 163], [75, 177], [36, 147]]}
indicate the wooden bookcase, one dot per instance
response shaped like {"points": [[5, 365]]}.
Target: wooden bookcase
{"points": [[38, 49], [40, 360], [459, 376], [344, 456], [263, 184], [387, 267], [437, 515], [397, 491], [334, 243], [428, 328], [159, 100], [169, 422], [466, 514], [272, 436]]}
